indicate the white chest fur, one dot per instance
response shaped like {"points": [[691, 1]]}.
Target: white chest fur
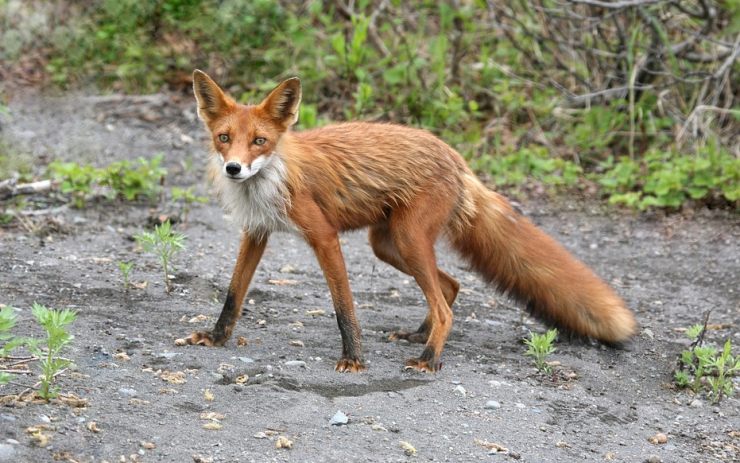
{"points": [[260, 203]]}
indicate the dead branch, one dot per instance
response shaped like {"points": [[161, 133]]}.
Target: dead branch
{"points": [[10, 188], [617, 5]]}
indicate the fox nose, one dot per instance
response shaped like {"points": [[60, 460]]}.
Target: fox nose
{"points": [[233, 168]]}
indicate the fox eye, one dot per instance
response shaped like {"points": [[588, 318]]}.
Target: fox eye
{"points": [[260, 140], [223, 138]]}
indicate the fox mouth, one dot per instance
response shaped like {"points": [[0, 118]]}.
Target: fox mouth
{"points": [[239, 173]]}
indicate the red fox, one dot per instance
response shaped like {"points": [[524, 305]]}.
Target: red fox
{"points": [[408, 187]]}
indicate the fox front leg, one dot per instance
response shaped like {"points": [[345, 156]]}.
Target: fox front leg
{"points": [[250, 253]]}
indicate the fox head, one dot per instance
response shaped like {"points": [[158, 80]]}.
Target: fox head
{"points": [[246, 136]]}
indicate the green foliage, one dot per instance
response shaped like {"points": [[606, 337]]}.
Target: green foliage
{"points": [[127, 180], [492, 79], [539, 347], [125, 268], [7, 322], [135, 180], [533, 162], [164, 243], [186, 197], [76, 180], [665, 179], [704, 368], [55, 324]]}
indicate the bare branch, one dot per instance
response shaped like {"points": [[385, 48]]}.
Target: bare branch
{"points": [[617, 5]]}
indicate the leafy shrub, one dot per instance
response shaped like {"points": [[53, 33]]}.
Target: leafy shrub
{"points": [[135, 180], [126, 179], [665, 179], [533, 162]]}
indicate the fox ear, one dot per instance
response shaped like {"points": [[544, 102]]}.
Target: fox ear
{"points": [[212, 101], [283, 102]]}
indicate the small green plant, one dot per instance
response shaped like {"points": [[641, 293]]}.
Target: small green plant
{"points": [[55, 324], [76, 180], [164, 243], [186, 197], [126, 179], [539, 347], [7, 322], [125, 268], [703, 368], [135, 180]]}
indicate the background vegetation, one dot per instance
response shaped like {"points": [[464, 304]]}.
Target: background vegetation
{"points": [[635, 100]]}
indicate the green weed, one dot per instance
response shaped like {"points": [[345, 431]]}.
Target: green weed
{"points": [[164, 243], [126, 268], [186, 197], [125, 179], [135, 180], [7, 322], [704, 368], [55, 324], [539, 347], [76, 180]]}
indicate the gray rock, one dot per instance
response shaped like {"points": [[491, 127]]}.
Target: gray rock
{"points": [[7, 452], [295, 363], [459, 390], [491, 404], [339, 419], [246, 359], [127, 391]]}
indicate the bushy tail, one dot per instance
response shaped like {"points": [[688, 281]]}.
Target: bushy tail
{"points": [[522, 261]]}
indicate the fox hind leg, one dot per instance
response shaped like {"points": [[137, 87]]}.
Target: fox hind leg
{"points": [[385, 250], [414, 230]]}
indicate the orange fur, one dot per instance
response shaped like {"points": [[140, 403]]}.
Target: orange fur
{"points": [[409, 187]]}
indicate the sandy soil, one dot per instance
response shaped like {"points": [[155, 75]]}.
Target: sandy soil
{"points": [[603, 405]]}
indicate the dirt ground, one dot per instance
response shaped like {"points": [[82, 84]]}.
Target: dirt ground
{"points": [[603, 405]]}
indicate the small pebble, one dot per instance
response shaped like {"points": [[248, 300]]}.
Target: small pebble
{"points": [[246, 359], [127, 391], [696, 403], [283, 443], [459, 390], [295, 363], [339, 419], [491, 404], [653, 459], [659, 438]]}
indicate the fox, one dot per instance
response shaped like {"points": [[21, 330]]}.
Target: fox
{"points": [[408, 188]]}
